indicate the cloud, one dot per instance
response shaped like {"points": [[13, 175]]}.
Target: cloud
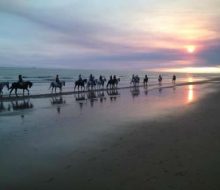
{"points": [[67, 37]]}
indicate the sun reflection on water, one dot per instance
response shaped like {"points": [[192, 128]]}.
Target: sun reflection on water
{"points": [[190, 96], [190, 93]]}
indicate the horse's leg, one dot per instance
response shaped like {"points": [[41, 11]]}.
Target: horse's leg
{"points": [[23, 92], [16, 91], [10, 91], [28, 91]]}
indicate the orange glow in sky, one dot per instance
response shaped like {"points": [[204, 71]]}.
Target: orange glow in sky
{"points": [[192, 70], [190, 48]]}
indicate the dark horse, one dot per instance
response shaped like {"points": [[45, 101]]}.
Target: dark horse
{"points": [[20, 85], [80, 83], [113, 83], [135, 80], [145, 81]]}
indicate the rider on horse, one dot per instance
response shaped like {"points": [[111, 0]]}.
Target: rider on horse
{"points": [[91, 79], [100, 78], [80, 78], [20, 80], [146, 78], [58, 80]]}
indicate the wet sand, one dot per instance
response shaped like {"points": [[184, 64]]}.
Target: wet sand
{"points": [[166, 138]]}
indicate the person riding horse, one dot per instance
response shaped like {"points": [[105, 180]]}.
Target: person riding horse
{"points": [[20, 80], [174, 78], [100, 78], [135, 79], [92, 79], [160, 79], [58, 80], [80, 78], [145, 79]]}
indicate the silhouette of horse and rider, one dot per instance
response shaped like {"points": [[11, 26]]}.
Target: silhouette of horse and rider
{"points": [[57, 84], [113, 82], [20, 84]]}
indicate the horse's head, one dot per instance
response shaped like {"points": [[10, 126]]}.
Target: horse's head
{"points": [[30, 84], [85, 80]]}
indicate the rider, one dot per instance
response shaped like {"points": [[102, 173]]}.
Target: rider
{"points": [[114, 78], [80, 78], [133, 78], [20, 79], [58, 80], [160, 78], [174, 78], [100, 78], [146, 77], [91, 78]]}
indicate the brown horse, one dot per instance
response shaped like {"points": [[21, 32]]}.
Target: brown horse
{"points": [[20, 85]]}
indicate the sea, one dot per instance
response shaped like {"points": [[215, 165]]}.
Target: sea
{"points": [[42, 77]]}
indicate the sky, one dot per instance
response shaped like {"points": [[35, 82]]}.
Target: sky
{"points": [[116, 34]]}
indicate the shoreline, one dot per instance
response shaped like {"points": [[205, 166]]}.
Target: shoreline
{"points": [[5, 98]]}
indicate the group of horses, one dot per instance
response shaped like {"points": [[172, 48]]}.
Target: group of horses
{"points": [[80, 84]]}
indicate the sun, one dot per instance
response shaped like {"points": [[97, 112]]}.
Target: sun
{"points": [[190, 48]]}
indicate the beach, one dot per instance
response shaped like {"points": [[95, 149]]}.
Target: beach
{"points": [[166, 137]]}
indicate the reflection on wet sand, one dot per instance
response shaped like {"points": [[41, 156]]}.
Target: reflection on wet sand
{"points": [[146, 90], [95, 96], [113, 93], [190, 97], [101, 96], [135, 91], [3, 107], [22, 104], [58, 100]]}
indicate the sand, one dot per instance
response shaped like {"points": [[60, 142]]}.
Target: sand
{"points": [[161, 139]]}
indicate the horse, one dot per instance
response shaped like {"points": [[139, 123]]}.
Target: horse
{"points": [[100, 83], [2, 85], [174, 79], [160, 79], [135, 80], [145, 81], [57, 85], [113, 83], [91, 83], [80, 83], [20, 85]]}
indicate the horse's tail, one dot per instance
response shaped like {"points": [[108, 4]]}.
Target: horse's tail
{"points": [[50, 86], [12, 86]]}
